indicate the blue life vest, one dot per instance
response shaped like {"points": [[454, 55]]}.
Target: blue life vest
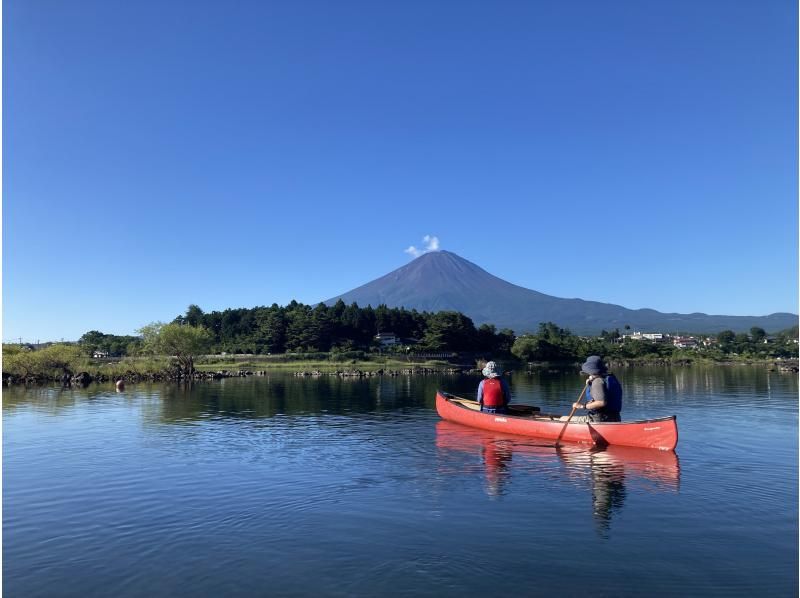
{"points": [[613, 399]]}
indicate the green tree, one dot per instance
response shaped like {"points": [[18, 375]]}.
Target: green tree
{"points": [[757, 334], [58, 358], [92, 341], [46, 362], [486, 338], [18, 360], [505, 340], [194, 315], [726, 337], [536, 348], [184, 343], [526, 348], [272, 329], [450, 331], [97, 341], [300, 329]]}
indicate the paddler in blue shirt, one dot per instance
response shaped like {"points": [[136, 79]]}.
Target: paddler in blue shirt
{"points": [[603, 394], [494, 395]]}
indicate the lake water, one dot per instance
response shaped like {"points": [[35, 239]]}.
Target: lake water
{"points": [[284, 486]]}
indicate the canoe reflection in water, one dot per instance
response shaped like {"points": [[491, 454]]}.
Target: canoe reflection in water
{"points": [[606, 470]]}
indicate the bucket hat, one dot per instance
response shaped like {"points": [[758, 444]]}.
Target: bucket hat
{"points": [[594, 366], [491, 370]]}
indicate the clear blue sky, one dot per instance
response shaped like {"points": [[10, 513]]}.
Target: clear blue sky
{"points": [[234, 154]]}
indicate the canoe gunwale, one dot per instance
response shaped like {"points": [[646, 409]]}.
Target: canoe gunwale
{"points": [[449, 397]]}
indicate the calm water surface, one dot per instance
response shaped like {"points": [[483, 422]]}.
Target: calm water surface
{"points": [[282, 486]]}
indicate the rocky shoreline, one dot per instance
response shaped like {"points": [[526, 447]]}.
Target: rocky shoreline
{"points": [[84, 378], [392, 373]]}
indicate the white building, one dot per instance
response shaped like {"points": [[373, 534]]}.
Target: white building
{"points": [[654, 337], [387, 339], [684, 342]]}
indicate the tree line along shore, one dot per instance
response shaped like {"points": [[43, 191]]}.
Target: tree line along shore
{"points": [[197, 345]]}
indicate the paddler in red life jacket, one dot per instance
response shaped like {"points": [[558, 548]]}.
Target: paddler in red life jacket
{"points": [[603, 393], [493, 392]]}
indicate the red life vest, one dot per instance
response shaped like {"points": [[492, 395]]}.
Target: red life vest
{"points": [[493, 393]]}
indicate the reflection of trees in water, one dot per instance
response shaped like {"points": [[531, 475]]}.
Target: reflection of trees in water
{"points": [[51, 397], [650, 390], [285, 394], [252, 397], [257, 398], [654, 385], [55, 398]]}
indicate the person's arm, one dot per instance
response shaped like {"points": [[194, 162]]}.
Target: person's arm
{"points": [[598, 394], [479, 398]]}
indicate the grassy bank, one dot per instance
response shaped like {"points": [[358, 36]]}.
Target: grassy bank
{"points": [[60, 362], [284, 363], [56, 362]]}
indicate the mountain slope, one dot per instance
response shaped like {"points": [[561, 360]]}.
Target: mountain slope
{"points": [[442, 280]]}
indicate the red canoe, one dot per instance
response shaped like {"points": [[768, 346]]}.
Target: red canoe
{"points": [[659, 433]]}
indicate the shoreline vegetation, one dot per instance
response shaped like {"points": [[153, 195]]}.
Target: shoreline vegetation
{"points": [[351, 341], [83, 371]]}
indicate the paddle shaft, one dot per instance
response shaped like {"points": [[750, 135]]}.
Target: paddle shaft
{"points": [[571, 413]]}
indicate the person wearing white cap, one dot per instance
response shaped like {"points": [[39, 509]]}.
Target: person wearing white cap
{"points": [[494, 394]]}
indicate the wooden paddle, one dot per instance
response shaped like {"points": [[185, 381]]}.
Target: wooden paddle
{"points": [[571, 413]]}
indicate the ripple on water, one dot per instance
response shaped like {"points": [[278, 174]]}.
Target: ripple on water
{"points": [[359, 489]]}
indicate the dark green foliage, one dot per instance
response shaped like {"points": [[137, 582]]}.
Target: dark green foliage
{"points": [[340, 328], [343, 329], [552, 343], [726, 337], [115, 346], [450, 331], [300, 328]]}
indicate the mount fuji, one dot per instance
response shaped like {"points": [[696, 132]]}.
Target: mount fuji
{"points": [[442, 280]]}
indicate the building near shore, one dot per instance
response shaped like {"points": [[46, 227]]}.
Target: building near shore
{"points": [[653, 337]]}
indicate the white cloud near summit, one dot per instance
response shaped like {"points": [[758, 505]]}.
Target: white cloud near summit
{"points": [[431, 244]]}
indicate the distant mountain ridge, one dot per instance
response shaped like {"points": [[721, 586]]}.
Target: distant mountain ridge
{"points": [[442, 280]]}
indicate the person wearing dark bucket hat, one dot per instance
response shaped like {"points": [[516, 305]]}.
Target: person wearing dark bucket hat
{"points": [[594, 366], [603, 393]]}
